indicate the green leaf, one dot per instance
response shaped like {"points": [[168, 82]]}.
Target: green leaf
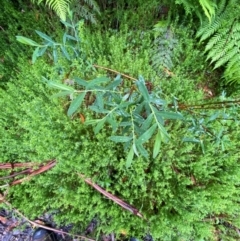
{"points": [[142, 150], [92, 122], [76, 103], [147, 134], [157, 144], [117, 81], [66, 24], [99, 100], [55, 57], [142, 88], [44, 36], [129, 158], [147, 122], [65, 53], [112, 122], [63, 93], [170, 115], [97, 81], [81, 81], [35, 55], [71, 37], [190, 139], [64, 38], [58, 85], [99, 125], [27, 41], [120, 138], [42, 50]]}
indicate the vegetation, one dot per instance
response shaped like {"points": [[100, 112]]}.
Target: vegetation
{"points": [[134, 113]]}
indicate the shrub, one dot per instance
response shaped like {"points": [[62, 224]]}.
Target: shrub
{"points": [[189, 190]]}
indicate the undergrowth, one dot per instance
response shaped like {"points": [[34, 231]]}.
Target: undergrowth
{"points": [[188, 191]]}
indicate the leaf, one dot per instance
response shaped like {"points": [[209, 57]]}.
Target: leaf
{"points": [[129, 158], [27, 41], [99, 100], [76, 103], [66, 24], [117, 81], [63, 93], [64, 38], [190, 139], [58, 85], [147, 135], [170, 115], [42, 50], [147, 122], [81, 81], [157, 144], [92, 122], [142, 88], [142, 150], [35, 55], [97, 81], [44, 36], [71, 37], [112, 122], [65, 53], [120, 138], [99, 125], [55, 57]]}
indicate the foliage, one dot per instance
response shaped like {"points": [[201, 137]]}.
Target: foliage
{"points": [[19, 19], [222, 36], [116, 14], [84, 9], [59, 6], [134, 112], [179, 186], [164, 45], [189, 190], [196, 7]]}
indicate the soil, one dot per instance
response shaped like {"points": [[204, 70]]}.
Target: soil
{"points": [[13, 228]]}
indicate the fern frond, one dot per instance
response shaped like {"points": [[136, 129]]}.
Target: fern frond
{"points": [[208, 7], [223, 35], [59, 6]]}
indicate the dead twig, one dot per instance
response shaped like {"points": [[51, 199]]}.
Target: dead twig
{"points": [[114, 71], [115, 199]]}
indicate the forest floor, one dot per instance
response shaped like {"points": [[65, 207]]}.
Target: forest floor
{"points": [[13, 228]]}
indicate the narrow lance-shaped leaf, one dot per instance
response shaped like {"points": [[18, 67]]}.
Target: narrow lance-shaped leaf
{"points": [[55, 57], [170, 115], [129, 158], [142, 88], [157, 144], [81, 81], [120, 138], [99, 125], [27, 41], [35, 55], [76, 103], [64, 51], [44, 36], [117, 81], [97, 81], [142, 150], [58, 85], [62, 93], [147, 134]]}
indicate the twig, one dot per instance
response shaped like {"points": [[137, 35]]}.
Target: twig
{"points": [[114, 71], [115, 199]]}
